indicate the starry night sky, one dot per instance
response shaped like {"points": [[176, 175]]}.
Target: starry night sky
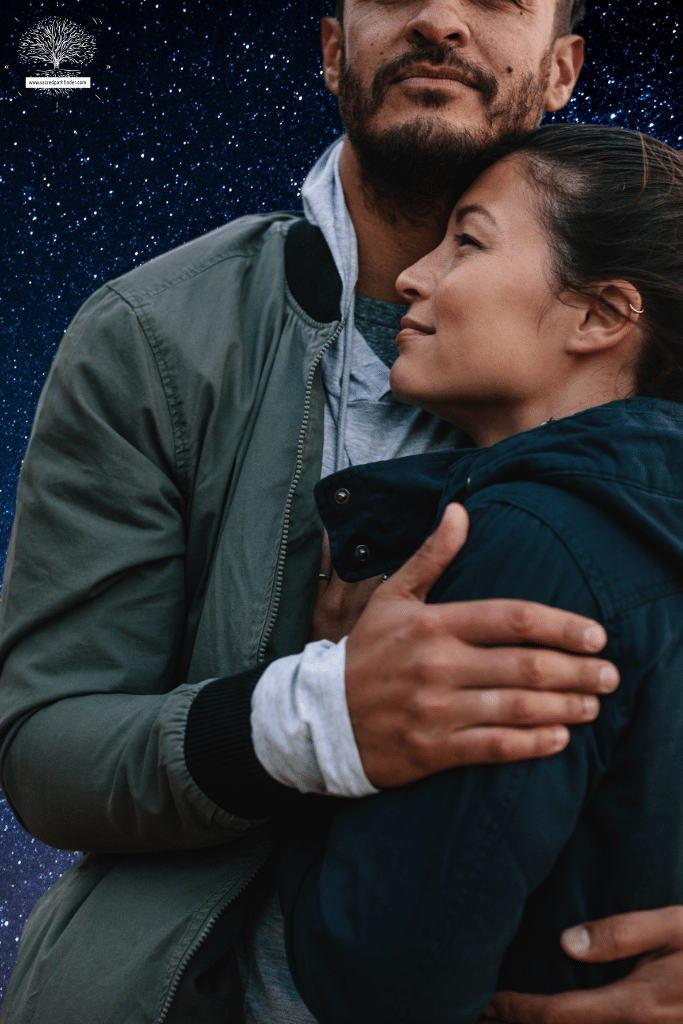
{"points": [[199, 111]]}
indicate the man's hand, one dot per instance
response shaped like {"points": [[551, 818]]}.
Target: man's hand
{"points": [[432, 686], [651, 994]]}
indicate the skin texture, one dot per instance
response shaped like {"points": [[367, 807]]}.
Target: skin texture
{"points": [[456, 62], [395, 229], [399, 220], [487, 343]]}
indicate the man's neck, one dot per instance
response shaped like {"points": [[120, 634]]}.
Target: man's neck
{"points": [[391, 236]]}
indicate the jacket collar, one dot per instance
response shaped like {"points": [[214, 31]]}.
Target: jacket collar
{"points": [[624, 457], [312, 276]]}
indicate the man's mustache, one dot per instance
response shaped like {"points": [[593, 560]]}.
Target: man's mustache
{"points": [[437, 56]]}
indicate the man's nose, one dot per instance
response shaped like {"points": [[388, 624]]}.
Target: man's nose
{"points": [[438, 21]]}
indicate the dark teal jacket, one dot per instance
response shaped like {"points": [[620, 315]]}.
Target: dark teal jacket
{"points": [[412, 907]]}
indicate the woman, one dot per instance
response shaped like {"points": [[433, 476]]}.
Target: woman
{"points": [[549, 325]]}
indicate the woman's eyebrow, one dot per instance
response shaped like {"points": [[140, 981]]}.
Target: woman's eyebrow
{"points": [[475, 208]]}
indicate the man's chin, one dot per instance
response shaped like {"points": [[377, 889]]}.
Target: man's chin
{"points": [[435, 117], [436, 94], [418, 140]]}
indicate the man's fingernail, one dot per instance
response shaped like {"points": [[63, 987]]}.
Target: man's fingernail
{"points": [[595, 638], [576, 940], [609, 678], [560, 737]]}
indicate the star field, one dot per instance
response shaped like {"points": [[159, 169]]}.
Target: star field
{"points": [[198, 112]]}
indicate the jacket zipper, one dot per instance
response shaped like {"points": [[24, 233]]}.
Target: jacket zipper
{"points": [[280, 568], [277, 590], [223, 905]]}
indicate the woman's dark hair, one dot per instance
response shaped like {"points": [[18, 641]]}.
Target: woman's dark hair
{"points": [[612, 203]]}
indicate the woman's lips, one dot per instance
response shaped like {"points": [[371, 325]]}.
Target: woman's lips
{"points": [[409, 323], [409, 333]]}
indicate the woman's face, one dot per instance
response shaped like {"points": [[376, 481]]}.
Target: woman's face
{"points": [[482, 344]]}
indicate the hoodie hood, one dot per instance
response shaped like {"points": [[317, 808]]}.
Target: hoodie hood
{"points": [[625, 458]]}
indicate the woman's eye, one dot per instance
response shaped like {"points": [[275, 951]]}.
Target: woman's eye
{"points": [[467, 240]]}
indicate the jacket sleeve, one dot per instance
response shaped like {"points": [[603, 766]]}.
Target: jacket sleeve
{"points": [[92, 716], [401, 908]]}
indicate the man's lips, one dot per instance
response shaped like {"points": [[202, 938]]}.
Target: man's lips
{"points": [[439, 73]]}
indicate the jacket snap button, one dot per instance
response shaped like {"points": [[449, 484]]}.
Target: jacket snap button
{"points": [[341, 495], [362, 553]]}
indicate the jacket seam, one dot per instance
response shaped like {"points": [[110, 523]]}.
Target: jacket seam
{"points": [[626, 600], [559, 475], [612, 616], [242, 250], [599, 592], [181, 443]]}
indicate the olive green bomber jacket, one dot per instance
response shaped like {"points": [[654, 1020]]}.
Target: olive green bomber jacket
{"points": [[165, 535]]}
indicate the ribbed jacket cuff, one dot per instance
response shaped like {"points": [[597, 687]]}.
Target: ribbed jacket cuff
{"points": [[220, 755]]}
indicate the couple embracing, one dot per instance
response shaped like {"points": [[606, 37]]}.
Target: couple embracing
{"points": [[288, 832]]}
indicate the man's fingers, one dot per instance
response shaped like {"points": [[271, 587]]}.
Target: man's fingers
{"points": [[413, 671], [447, 662], [419, 574], [481, 745], [649, 994], [624, 935], [535, 669], [518, 1008], [498, 745], [514, 707], [511, 621], [610, 1004], [487, 622]]}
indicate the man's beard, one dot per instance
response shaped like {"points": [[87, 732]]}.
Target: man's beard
{"points": [[424, 164]]}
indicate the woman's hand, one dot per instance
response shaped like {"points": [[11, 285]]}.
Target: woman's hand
{"points": [[651, 994], [338, 604]]}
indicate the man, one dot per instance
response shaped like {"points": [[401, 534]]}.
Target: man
{"points": [[162, 568]]}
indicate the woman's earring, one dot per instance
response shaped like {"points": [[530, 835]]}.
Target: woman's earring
{"points": [[636, 310]]}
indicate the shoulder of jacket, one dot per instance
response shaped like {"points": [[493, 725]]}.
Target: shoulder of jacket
{"points": [[241, 238], [624, 566]]}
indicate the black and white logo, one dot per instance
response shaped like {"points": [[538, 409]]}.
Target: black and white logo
{"points": [[58, 50]]}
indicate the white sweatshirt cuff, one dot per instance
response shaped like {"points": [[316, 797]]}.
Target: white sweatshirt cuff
{"points": [[300, 723]]}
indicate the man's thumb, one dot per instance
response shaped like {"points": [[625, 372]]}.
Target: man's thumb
{"points": [[625, 935], [420, 572]]}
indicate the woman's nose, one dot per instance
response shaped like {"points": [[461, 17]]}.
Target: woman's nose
{"points": [[416, 281]]}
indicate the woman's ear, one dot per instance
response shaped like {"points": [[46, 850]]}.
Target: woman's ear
{"points": [[607, 317]]}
